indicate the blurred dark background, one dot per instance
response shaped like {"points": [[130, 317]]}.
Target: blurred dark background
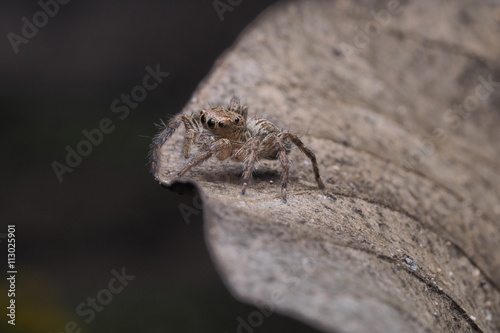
{"points": [[108, 213]]}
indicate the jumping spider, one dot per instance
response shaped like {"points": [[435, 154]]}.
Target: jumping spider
{"points": [[228, 132]]}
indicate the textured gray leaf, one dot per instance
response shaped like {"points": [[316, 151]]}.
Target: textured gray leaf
{"points": [[405, 237]]}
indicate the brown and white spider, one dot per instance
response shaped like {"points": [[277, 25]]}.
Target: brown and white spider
{"points": [[228, 132]]}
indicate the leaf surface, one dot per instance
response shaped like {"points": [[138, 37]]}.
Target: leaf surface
{"points": [[405, 236]]}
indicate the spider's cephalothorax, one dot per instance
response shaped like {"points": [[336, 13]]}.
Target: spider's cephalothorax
{"points": [[228, 132]]}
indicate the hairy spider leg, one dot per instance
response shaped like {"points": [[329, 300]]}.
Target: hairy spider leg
{"points": [[222, 148], [193, 132], [235, 106], [248, 154], [161, 138], [308, 152], [272, 142]]}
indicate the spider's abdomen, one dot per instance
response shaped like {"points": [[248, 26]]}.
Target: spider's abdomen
{"points": [[261, 128], [264, 130]]}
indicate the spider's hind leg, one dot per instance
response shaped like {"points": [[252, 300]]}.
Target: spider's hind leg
{"points": [[308, 152]]}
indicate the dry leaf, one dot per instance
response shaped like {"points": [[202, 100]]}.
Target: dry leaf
{"points": [[400, 104]]}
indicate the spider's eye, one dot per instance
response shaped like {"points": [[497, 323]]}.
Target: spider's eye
{"points": [[203, 119], [221, 124], [236, 120], [211, 123]]}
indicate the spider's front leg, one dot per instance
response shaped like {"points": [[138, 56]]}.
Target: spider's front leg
{"points": [[193, 132], [161, 138], [221, 148], [248, 154]]}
